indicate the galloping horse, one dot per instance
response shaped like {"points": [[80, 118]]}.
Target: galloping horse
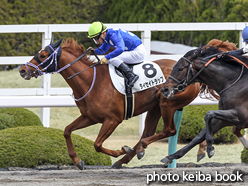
{"points": [[99, 102], [224, 46], [227, 75]]}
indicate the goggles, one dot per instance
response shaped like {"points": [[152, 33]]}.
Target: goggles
{"points": [[95, 39]]}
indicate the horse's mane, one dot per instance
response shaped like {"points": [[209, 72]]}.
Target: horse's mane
{"points": [[205, 90], [222, 45], [71, 46]]}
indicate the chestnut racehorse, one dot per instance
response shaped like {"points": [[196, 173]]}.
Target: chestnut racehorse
{"points": [[100, 102]]}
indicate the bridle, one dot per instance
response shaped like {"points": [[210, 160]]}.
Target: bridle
{"points": [[52, 62], [186, 81], [53, 58]]}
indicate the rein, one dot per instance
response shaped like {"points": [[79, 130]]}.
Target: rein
{"points": [[93, 82], [53, 60], [184, 83]]}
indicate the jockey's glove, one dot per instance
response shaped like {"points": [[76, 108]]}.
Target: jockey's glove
{"points": [[103, 60], [91, 50], [245, 49]]}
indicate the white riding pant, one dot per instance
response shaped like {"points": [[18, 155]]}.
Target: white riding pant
{"points": [[130, 57]]}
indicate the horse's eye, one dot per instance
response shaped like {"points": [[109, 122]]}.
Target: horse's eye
{"points": [[180, 69], [42, 56]]}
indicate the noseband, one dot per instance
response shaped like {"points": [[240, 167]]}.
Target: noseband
{"points": [[184, 83]]}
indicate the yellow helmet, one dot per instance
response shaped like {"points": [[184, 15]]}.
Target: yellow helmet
{"points": [[96, 29]]}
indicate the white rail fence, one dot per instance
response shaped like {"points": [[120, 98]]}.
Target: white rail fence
{"points": [[47, 96]]}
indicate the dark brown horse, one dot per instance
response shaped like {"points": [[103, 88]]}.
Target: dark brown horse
{"points": [[103, 103], [227, 75], [223, 46]]}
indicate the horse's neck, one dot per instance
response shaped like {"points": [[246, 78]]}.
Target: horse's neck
{"points": [[220, 74], [80, 84]]}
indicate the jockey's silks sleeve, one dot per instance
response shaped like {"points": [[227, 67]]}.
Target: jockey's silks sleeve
{"points": [[121, 40]]}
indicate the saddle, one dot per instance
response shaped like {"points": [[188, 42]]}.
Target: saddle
{"points": [[150, 75]]}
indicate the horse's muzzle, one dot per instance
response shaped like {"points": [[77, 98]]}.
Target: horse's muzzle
{"points": [[168, 93], [24, 74]]}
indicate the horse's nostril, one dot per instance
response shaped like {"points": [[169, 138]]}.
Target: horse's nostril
{"points": [[164, 90], [22, 71]]}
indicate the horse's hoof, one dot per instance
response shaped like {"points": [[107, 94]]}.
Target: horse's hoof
{"points": [[116, 166], [127, 148], [211, 152], [166, 161], [140, 154], [200, 157], [80, 165]]}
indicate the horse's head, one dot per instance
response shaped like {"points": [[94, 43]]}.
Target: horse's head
{"points": [[46, 60], [187, 69]]}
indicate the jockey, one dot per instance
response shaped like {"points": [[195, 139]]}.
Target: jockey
{"points": [[128, 48], [245, 40]]}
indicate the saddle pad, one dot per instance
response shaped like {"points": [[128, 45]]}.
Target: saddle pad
{"points": [[150, 75]]}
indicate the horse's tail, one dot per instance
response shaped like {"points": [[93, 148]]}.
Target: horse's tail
{"points": [[207, 92]]}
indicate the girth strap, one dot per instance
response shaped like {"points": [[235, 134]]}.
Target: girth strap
{"points": [[129, 102]]}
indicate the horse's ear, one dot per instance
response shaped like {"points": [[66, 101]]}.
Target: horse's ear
{"points": [[52, 40], [57, 43]]}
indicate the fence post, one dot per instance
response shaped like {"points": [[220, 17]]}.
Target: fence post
{"points": [[146, 39], [142, 123], [173, 139], [46, 82]]}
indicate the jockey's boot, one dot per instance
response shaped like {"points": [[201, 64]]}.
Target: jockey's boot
{"points": [[127, 72]]}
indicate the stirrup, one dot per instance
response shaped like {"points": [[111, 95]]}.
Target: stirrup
{"points": [[131, 84]]}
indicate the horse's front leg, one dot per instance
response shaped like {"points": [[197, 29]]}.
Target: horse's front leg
{"points": [[80, 122], [197, 140], [202, 148], [108, 126], [229, 116]]}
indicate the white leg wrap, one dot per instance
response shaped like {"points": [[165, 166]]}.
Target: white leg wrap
{"points": [[244, 142]]}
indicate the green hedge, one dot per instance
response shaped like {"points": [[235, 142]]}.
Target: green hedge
{"points": [[33, 146], [193, 123], [15, 117], [244, 156]]}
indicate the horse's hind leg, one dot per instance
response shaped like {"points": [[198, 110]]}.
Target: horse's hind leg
{"points": [[108, 126], [151, 122], [80, 122], [236, 131]]}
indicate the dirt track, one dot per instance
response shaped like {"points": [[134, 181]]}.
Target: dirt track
{"points": [[127, 177]]}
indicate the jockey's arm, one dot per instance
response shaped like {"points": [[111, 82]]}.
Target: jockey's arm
{"points": [[240, 51], [119, 45], [102, 49], [236, 52]]}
